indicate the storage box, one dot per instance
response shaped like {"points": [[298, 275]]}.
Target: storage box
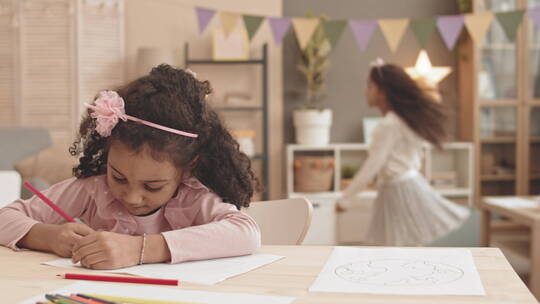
{"points": [[313, 173]]}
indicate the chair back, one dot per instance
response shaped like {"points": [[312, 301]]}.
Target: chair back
{"points": [[282, 222]]}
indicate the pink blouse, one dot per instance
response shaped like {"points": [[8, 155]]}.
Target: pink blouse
{"points": [[196, 223]]}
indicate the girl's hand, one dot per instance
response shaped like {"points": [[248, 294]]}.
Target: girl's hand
{"points": [[339, 208], [65, 236], [107, 250]]}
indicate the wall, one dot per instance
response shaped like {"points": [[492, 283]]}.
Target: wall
{"points": [[349, 66], [171, 23]]}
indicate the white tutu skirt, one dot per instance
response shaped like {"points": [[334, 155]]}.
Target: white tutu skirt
{"points": [[409, 212]]}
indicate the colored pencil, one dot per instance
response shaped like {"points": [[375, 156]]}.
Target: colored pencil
{"points": [[49, 202], [97, 300], [69, 299], [56, 300], [84, 300], [138, 300], [92, 277]]}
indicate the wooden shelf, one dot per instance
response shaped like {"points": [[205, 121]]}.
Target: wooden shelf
{"points": [[499, 140], [499, 46], [498, 177], [535, 139], [535, 176], [498, 103]]}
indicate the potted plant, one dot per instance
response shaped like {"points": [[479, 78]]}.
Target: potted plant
{"points": [[312, 123], [347, 174]]}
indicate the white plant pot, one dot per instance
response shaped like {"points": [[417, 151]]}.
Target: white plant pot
{"points": [[312, 126]]}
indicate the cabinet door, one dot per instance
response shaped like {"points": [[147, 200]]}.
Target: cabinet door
{"points": [[352, 225], [7, 64], [47, 60], [498, 161], [497, 77], [322, 230], [533, 65], [534, 150]]}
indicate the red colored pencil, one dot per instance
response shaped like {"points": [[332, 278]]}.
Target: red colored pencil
{"points": [[91, 277], [49, 202]]}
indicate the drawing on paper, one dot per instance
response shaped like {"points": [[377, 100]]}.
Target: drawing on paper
{"points": [[398, 272]]}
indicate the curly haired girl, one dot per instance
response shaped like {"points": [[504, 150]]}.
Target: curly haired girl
{"points": [[159, 179], [407, 210]]}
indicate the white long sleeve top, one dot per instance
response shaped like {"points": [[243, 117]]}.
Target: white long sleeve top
{"points": [[395, 149]]}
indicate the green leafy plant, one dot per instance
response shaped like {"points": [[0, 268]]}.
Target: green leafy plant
{"points": [[314, 63], [348, 171], [465, 6]]}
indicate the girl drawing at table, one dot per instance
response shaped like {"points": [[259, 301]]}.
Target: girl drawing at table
{"points": [[407, 211], [159, 179]]}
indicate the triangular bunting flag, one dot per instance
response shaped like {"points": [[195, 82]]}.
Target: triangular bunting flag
{"points": [[393, 30], [450, 27], [510, 22], [279, 27], [252, 24], [478, 24], [362, 30], [204, 16], [423, 29], [334, 30], [228, 21], [304, 28], [534, 15]]}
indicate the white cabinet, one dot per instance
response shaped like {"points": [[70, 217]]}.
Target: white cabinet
{"points": [[449, 170]]}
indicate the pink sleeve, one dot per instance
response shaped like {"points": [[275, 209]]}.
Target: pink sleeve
{"points": [[219, 230], [17, 218]]}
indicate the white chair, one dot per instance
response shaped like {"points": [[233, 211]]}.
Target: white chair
{"points": [[10, 187], [282, 222]]}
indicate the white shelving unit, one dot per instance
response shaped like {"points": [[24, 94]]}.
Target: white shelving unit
{"points": [[349, 227]]}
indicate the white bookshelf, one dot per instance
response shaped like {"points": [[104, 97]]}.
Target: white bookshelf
{"points": [[329, 228]]}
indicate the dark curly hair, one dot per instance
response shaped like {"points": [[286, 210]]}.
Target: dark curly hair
{"points": [[420, 110], [176, 99]]}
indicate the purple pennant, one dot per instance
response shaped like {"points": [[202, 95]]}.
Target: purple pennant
{"points": [[450, 28], [362, 30], [279, 26], [204, 17], [534, 14]]}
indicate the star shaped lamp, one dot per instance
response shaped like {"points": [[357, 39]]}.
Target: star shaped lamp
{"points": [[424, 69]]}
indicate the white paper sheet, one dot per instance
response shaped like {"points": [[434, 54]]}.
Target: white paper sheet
{"points": [[164, 294], [413, 271], [512, 202], [201, 272]]}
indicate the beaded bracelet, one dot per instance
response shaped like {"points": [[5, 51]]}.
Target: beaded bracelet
{"points": [[142, 248]]}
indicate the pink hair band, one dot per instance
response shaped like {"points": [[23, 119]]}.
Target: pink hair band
{"points": [[108, 108]]}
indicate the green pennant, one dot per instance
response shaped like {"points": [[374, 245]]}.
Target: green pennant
{"points": [[510, 21], [423, 29], [252, 24], [334, 30]]}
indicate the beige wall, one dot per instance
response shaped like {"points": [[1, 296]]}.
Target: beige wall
{"points": [[171, 23]]}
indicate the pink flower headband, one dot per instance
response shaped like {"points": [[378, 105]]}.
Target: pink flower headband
{"points": [[109, 107]]}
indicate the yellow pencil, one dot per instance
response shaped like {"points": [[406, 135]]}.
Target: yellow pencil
{"points": [[137, 300]]}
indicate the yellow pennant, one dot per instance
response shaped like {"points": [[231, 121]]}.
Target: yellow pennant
{"points": [[228, 21], [304, 29], [478, 25], [393, 30]]}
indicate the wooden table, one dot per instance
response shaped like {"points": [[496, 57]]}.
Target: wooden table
{"points": [[525, 216], [22, 276]]}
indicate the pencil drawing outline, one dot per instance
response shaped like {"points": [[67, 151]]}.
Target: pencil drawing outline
{"points": [[399, 272]]}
